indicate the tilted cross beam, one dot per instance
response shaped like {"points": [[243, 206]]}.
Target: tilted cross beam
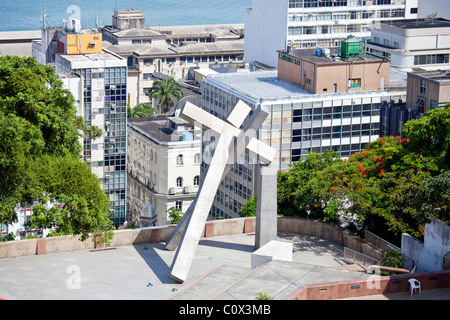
{"points": [[232, 142]]}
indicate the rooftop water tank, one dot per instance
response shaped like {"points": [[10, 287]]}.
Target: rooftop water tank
{"points": [[350, 48]]}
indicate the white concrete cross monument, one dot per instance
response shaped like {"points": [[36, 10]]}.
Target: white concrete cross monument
{"points": [[229, 146]]}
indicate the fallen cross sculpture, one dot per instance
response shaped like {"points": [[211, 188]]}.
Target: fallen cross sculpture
{"points": [[230, 145]]}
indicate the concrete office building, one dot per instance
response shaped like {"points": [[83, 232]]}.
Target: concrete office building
{"points": [[163, 157], [303, 117], [413, 43], [98, 80], [271, 25]]}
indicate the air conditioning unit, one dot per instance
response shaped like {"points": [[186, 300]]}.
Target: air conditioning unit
{"points": [[172, 190], [146, 181], [187, 189], [152, 185]]}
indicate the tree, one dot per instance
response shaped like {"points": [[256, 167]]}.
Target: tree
{"points": [[142, 110], [249, 208], [40, 152], [175, 214], [431, 134], [166, 91]]}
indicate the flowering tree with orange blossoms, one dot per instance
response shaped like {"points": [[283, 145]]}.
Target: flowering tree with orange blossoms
{"points": [[392, 186]]}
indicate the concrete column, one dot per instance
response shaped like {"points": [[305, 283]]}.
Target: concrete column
{"points": [[266, 204]]}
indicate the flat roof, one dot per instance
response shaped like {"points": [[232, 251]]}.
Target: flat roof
{"points": [[158, 127], [419, 23], [165, 49], [264, 86], [439, 76], [333, 58]]}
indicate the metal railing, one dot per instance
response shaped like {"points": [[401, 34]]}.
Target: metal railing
{"points": [[355, 257], [408, 263]]}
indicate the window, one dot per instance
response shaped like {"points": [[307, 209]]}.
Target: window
{"points": [[354, 83], [197, 158], [422, 87], [179, 182], [180, 160], [179, 205], [414, 10], [196, 180]]}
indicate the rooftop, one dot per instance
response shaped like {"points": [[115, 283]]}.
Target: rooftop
{"points": [[419, 23], [262, 86], [332, 58], [439, 76], [166, 49], [141, 271], [221, 269], [159, 128]]}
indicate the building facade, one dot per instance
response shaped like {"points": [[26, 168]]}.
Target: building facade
{"points": [[413, 43], [164, 157], [98, 80], [271, 25], [174, 51], [428, 90]]}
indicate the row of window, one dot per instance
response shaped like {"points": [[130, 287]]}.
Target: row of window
{"points": [[179, 181], [343, 151], [346, 15], [192, 59], [431, 59], [338, 3], [180, 159]]}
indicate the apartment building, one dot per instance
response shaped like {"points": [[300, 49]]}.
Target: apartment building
{"points": [[303, 117], [163, 157], [98, 80], [271, 25]]}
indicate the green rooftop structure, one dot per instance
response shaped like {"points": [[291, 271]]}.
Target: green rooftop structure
{"points": [[350, 48]]}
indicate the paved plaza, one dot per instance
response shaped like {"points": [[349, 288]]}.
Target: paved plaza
{"points": [[141, 272]]}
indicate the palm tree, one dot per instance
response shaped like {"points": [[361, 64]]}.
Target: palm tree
{"points": [[142, 110], [166, 91]]}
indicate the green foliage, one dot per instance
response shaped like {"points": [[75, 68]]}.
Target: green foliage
{"points": [[166, 91], [142, 110], [249, 208], [392, 258], [175, 215], [263, 296], [9, 237], [40, 153], [391, 186]]}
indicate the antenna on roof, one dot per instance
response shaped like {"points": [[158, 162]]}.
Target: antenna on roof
{"points": [[431, 17], [43, 17]]}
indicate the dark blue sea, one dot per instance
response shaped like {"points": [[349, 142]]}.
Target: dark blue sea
{"points": [[16, 15]]}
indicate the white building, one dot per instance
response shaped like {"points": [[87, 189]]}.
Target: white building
{"points": [[272, 24], [164, 157], [413, 43]]}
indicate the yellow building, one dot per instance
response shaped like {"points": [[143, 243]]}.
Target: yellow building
{"points": [[79, 43]]}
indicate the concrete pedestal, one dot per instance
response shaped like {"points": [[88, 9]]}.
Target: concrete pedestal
{"points": [[266, 204]]}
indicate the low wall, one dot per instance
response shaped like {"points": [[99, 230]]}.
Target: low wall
{"points": [[212, 228], [331, 232], [374, 285]]}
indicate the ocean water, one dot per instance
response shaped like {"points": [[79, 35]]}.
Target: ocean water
{"points": [[16, 15]]}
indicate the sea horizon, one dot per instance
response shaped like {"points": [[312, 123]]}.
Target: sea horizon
{"points": [[23, 15]]}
